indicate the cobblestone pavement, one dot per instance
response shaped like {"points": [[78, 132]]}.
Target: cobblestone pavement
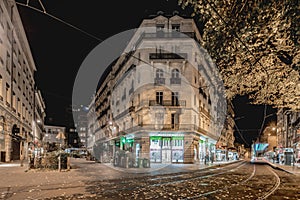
{"points": [[18, 183]]}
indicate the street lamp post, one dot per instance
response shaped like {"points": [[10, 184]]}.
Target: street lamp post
{"points": [[60, 136]]}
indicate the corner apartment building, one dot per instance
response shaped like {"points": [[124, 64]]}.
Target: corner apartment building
{"points": [[161, 100], [17, 86]]}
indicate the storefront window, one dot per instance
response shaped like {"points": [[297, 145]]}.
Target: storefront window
{"points": [[177, 149], [155, 149]]}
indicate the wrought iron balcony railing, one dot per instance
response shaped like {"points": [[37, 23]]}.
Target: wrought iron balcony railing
{"points": [[159, 81], [175, 80], [167, 103], [153, 56]]}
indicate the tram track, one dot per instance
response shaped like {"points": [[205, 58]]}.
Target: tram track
{"points": [[157, 182], [161, 179], [275, 187], [225, 188], [235, 181], [206, 186], [250, 188]]}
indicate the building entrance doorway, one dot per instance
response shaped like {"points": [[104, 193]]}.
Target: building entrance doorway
{"points": [[15, 150], [166, 150]]}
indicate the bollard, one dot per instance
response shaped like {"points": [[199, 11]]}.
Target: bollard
{"points": [[127, 162], [68, 163]]}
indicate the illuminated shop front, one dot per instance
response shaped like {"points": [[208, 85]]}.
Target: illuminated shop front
{"points": [[207, 147], [166, 149]]}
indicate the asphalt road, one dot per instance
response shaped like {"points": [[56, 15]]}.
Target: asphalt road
{"points": [[239, 180]]}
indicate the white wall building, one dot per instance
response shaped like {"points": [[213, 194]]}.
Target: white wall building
{"points": [[164, 102]]}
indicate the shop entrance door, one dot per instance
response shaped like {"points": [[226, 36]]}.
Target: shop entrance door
{"points": [[166, 150]]}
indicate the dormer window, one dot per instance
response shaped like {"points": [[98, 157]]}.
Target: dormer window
{"points": [[176, 27], [160, 27]]}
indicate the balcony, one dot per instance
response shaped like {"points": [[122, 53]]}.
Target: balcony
{"points": [[162, 34], [125, 112], [205, 112], [170, 127], [175, 81], [154, 56], [167, 103], [159, 81]]}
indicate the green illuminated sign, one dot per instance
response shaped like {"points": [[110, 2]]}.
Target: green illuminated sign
{"points": [[155, 137], [177, 138]]}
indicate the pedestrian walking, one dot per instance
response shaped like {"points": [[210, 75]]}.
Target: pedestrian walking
{"points": [[206, 159]]}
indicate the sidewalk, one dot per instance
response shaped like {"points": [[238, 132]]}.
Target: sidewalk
{"points": [[290, 169], [15, 163]]}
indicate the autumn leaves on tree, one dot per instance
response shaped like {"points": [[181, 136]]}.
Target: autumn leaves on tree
{"points": [[255, 45]]}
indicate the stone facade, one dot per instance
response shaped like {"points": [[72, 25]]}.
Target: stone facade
{"points": [[17, 87], [160, 101]]}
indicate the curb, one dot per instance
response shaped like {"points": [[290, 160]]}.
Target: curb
{"points": [[279, 168]]}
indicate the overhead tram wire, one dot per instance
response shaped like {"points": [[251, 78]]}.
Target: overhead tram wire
{"points": [[263, 123], [95, 37], [58, 19], [213, 6]]}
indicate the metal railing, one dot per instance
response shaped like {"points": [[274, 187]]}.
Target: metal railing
{"points": [[167, 103]]}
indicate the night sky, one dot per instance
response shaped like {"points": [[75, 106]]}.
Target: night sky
{"points": [[59, 50]]}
